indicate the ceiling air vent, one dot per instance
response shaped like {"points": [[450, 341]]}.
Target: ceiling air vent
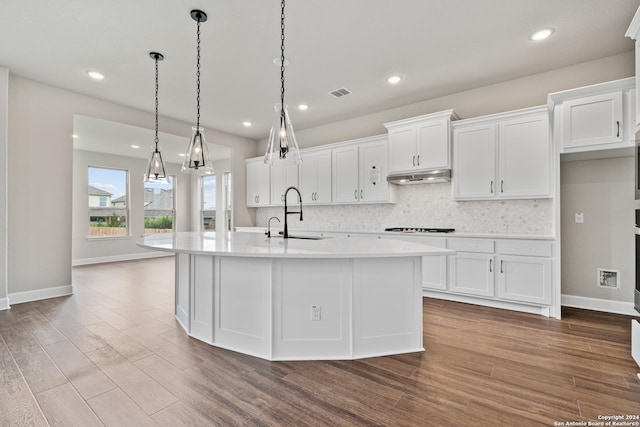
{"points": [[340, 92]]}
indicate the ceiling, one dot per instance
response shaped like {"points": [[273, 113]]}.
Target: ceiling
{"points": [[439, 47]]}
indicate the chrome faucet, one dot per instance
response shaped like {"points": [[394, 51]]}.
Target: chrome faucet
{"points": [[268, 233], [287, 212]]}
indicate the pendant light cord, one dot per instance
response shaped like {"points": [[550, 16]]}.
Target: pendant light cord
{"points": [[198, 80], [156, 139], [282, 55]]}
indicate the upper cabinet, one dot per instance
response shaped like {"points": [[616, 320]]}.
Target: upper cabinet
{"points": [[634, 32], [502, 156], [359, 171], [420, 143], [284, 174], [594, 117], [315, 177], [257, 182]]}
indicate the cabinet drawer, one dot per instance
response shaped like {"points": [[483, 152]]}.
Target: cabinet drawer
{"points": [[524, 247], [471, 245]]}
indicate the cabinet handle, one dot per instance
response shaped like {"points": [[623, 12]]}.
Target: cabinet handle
{"points": [[414, 161], [418, 159], [618, 123], [501, 269], [491, 187], [361, 196], [314, 196], [355, 194], [490, 266], [258, 201], [502, 186]]}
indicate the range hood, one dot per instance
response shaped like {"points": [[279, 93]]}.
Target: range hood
{"points": [[426, 177]]}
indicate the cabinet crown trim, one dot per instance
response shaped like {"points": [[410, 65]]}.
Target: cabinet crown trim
{"points": [[634, 27], [607, 87], [446, 114], [500, 116]]}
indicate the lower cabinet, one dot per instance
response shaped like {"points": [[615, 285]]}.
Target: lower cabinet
{"points": [[524, 279], [472, 273]]}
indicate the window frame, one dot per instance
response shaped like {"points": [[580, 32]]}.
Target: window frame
{"points": [[127, 208]]}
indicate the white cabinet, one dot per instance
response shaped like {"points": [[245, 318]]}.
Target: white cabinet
{"points": [[596, 117], [420, 143], [434, 267], [524, 279], [634, 32], [257, 182], [359, 172], [471, 270], [502, 156], [315, 177], [284, 174]]}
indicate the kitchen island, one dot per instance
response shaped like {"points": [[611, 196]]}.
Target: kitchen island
{"points": [[298, 298]]}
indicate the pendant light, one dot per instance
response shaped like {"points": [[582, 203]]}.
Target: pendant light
{"points": [[282, 139], [155, 171], [197, 161]]}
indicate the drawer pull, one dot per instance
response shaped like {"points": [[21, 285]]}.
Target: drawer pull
{"points": [[501, 269], [490, 266]]}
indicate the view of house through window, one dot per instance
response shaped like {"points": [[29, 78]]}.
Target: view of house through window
{"points": [[108, 203], [159, 207], [209, 203]]}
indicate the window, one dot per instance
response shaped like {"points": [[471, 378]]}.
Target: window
{"points": [[209, 203], [159, 207], [227, 200], [108, 202]]}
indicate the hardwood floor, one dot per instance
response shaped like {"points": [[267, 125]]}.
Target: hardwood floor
{"points": [[112, 354]]}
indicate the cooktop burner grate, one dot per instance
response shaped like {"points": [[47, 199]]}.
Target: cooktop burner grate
{"points": [[420, 230]]}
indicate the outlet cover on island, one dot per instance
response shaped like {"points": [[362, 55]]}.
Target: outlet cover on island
{"points": [[315, 313], [579, 217]]}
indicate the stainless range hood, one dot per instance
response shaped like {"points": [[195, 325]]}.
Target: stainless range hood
{"points": [[427, 177]]}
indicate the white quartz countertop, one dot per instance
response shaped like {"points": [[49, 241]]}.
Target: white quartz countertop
{"points": [[258, 245]]}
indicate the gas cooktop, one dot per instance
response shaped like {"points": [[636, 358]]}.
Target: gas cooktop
{"points": [[420, 230]]}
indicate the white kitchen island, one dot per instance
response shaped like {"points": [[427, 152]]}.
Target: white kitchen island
{"points": [[298, 299]]}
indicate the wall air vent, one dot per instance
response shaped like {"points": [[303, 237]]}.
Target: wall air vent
{"points": [[340, 92]]}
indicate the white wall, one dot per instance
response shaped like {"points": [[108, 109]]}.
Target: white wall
{"points": [[4, 110], [603, 190], [40, 152], [87, 251]]}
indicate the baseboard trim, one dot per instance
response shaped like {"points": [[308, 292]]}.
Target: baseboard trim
{"points": [[598, 304], [531, 309], [40, 294], [4, 304], [116, 258]]}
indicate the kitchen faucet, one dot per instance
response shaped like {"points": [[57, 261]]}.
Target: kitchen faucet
{"points": [[268, 233], [287, 212]]}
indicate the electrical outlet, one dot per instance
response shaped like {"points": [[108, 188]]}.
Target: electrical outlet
{"points": [[315, 313], [579, 217]]}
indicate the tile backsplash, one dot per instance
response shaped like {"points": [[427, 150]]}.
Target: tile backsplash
{"points": [[428, 205]]}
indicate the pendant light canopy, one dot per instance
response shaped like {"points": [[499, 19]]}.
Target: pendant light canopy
{"points": [[282, 139], [155, 171], [198, 161]]}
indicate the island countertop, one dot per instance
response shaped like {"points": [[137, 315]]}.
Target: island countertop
{"points": [[258, 245]]}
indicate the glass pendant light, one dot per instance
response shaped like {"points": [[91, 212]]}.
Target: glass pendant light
{"points": [[155, 171], [282, 139], [198, 161]]}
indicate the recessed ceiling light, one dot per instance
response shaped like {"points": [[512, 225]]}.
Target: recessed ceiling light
{"points": [[394, 79], [96, 75], [303, 107], [247, 124], [278, 62], [182, 155], [541, 34], [135, 146], [74, 136]]}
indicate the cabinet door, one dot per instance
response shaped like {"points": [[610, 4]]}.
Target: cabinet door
{"points": [[524, 152], [433, 145], [308, 178], [472, 273], [345, 174], [592, 120], [323, 177], [257, 185], [402, 149], [524, 279], [373, 172], [284, 174], [637, 103], [474, 162]]}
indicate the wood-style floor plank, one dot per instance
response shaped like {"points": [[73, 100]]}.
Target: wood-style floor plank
{"points": [[128, 363]]}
